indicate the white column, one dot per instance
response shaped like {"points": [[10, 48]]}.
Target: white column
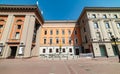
{"points": [[115, 29], [7, 28], [25, 29], [37, 44], [92, 31], [27, 51], [103, 29], [6, 33]]}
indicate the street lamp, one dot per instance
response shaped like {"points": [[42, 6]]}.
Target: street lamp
{"points": [[60, 47], [115, 40]]}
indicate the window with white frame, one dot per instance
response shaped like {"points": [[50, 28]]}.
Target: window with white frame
{"points": [[70, 49], [118, 25], [98, 35], [1, 26], [107, 25], [17, 35], [104, 16], [109, 34], [64, 50], [96, 25], [50, 50], [44, 50], [93, 16], [57, 50], [115, 16]]}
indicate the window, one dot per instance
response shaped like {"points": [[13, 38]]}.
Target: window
{"points": [[96, 25], [70, 49], [63, 32], [115, 16], [57, 32], [57, 50], [93, 16], [86, 41], [45, 32], [17, 35], [63, 49], [109, 34], [76, 41], [118, 25], [84, 29], [98, 35], [107, 25], [51, 32], [19, 20], [50, 40], [69, 40], [18, 26], [104, 16], [50, 51], [1, 26], [57, 40], [44, 41], [2, 20], [69, 32], [43, 50], [1, 49], [63, 40], [75, 32]]}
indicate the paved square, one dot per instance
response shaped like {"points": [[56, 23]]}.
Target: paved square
{"points": [[71, 66]]}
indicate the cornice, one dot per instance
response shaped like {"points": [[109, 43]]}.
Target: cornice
{"points": [[22, 8]]}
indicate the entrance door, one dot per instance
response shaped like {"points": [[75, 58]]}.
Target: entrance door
{"points": [[77, 52], [13, 51], [103, 50], [115, 50]]}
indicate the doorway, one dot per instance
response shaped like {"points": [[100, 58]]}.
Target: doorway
{"points": [[103, 50], [13, 51], [77, 51], [115, 50]]}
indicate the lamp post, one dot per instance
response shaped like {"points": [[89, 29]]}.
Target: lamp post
{"points": [[60, 50], [115, 40]]}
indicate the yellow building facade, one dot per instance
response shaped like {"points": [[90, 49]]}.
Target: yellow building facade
{"points": [[60, 36]]}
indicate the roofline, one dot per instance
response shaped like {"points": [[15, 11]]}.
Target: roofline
{"points": [[98, 9], [24, 6], [60, 21]]}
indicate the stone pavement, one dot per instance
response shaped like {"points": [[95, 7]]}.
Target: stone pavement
{"points": [[71, 66]]}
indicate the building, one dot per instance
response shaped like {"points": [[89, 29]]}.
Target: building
{"points": [[23, 32], [60, 37], [19, 30], [98, 25]]}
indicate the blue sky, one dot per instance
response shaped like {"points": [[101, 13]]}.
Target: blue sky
{"points": [[63, 9]]}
